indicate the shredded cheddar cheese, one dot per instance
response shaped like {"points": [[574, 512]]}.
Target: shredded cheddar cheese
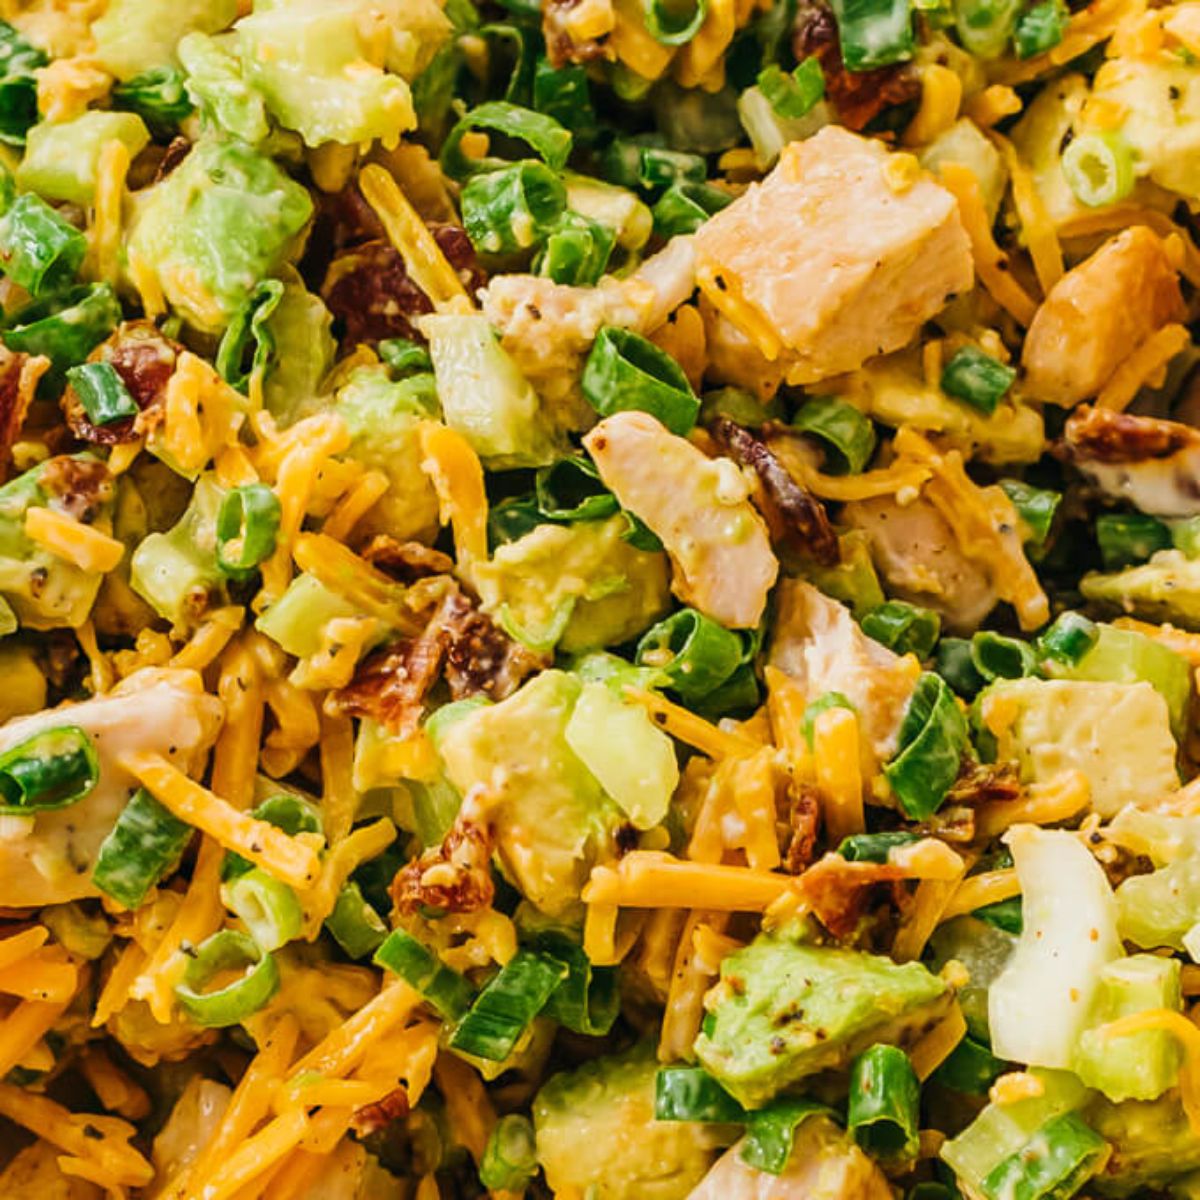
{"points": [[648, 879], [1145, 367], [83, 546]]}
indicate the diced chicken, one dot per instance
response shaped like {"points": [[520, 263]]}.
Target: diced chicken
{"points": [[817, 642], [1153, 464], [825, 1165], [1097, 314], [194, 1119], [47, 858], [350, 1173], [841, 253], [915, 550], [718, 544], [34, 1175]]}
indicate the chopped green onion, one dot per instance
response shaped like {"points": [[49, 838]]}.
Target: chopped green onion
{"points": [[563, 93], [1007, 915], [692, 1094], [1054, 1163], [1035, 507], [1098, 168], [1069, 638], [740, 406], [998, 657], [644, 161], [621, 160], [247, 523], [883, 1112], [249, 329], [102, 392], [771, 1132], [955, 663], [354, 924], [792, 95], [904, 628], [512, 519], [874, 33], [51, 769], [548, 140], [524, 45], [1129, 538], [685, 206], [510, 1158], [694, 653], [504, 1010], [625, 371], [18, 84], [39, 249], [971, 1068], [587, 1000], [445, 990], [673, 22], [933, 739], [576, 251], [875, 847], [570, 490], [977, 378], [158, 96], [1040, 28], [511, 210], [404, 356], [984, 26], [848, 434], [268, 908], [283, 810], [639, 535], [144, 844], [822, 703], [232, 1003], [65, 328], [738, 693]]}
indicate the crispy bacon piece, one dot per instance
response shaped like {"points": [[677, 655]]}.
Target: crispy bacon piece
{"points": [[81, 486], [480, 656], [839, 892], [453, 877], [390, 686], [982, 783], [406, 562], [19, 376], [858, 96], [371, 1118], [805, 820], [795, 516], [561, 47], [1105, 436]]}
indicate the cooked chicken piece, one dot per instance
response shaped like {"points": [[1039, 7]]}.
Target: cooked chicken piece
{"points": [[734, 359], [915, 550], [34, 1175], [817, 642], [718, 544], [194, 1119], [350, 1173], [1153, 464], [825, 1165], [838, 255], [47, 858], [1097, 314]]}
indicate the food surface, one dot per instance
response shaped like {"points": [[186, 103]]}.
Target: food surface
{"points": [[599, 599]]}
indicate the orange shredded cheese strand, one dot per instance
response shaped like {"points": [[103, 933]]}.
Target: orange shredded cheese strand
{"points": [[689, 728], [343, 1049], [340, 863], [992, 105], [115, 993], [457, 476], [600, 934], [785, 707], [690, 980], [355, 505], [114, 1089], [753, 787], [885, 481], [647, 879], [201, 414], [988, 887], [24, 1027], [699, 62], [257, 1154], [240, 687], [297, 727], [46, 974], [1120, 216], [1145, 367], [917, 925], [105, 234], [839, 772], [1179, 640], [1040, 236], [339, 800], [83, 546], [936, 1046], [21, 945], [632, 43], [214, 633], [941, 95]]}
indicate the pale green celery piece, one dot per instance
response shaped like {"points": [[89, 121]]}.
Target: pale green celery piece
{"points": [[617, 674], [1126, 656], [216, 86], [384, 420], [631, 757], [1160, 909], [135, 35], [528, 1055], [1152, 1142], [769, 132], [448, 715], [297, 619], [1167, 588], [85, 934], [43, 590], [984, 26], [176, 572], [963, 143], [614, 207], [984, 950], [62, 158], [304, 351], [1139, 1066], [485, 397], [225, 218], [853, 581]]}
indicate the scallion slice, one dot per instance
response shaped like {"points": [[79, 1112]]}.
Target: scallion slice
{"points": [[792, 94], [143, 845], [247, 523], [904, 628], [692, 1094], [231, 1003], [971, 1067], [977, 378], [874, 33], [403, 356], [354, 924], [51, 769], [64, 327], [445, 990], [998, 657], [694, 653], [673, 22], [875, 847], [283, 810], [268, 908], [18, 84], [570, 490], [685, 206], [954, 662], [576, 251], [625, 371], [771, 1132], [1126, 539], [248, 335], [510, 1158], [39, 249], [548, 140], [1035, 507], [504, 1010], [933, 739], [1069, 638], [563, 93], [884, 1107], [158, 96], [1098, 168], [508, 211], [1055, 1162], [587, 1000], [848, 434], [1040, 28], [102, 392]]}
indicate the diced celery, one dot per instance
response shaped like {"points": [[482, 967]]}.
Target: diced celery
{"points": [[297, 619], [135, 35], [616, 208], [1160, 909], [769, 132], [62, 158]]}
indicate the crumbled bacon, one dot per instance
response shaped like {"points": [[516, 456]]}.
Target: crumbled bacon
{"points": [[19, 375], [858, 96], [1105, 436], [983, 783], [804, 819], [390, 686], [838, 893], [406, 562], [561, 47], [453, 877], [80, 486], [480, 657], [371, 1118]]}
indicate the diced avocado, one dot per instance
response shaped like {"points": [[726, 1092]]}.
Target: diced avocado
{"points": [[963, 143], [1117, 734], [1159, 909], [221, 221], [296, 620], [596, 1134], [1167, 588], [631, 757], [45, 591], [616, 208], [1152, 1143], [62, 158], [1139, 1066], [216, 86], [384, 420], [579, 587], [135, 35], [784, 1010], [551, 815], [304, 351], [853, 580]]}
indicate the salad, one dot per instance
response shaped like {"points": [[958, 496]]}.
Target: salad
{"points": [[599, 599]]}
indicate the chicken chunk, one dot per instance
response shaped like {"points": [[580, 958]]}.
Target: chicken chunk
{"points": [[838, 255], [1097, 314], [825, 1165], [718, 544], [1153, 464], [47, 858], [817, 642], [915, 550]]}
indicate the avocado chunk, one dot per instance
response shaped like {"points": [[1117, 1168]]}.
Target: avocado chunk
{"points": [[137, 35], [62, 158], [784, 1010], [596, 1134], [1160, 909], [1152, 1144], [1117, 734], [1167, 588]]}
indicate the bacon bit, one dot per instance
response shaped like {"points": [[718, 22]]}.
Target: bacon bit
{"points": [[177, 150], [805, 819], [838, 892], [371, 1118], [981, 783], [561, 48], [406, 562], [453, 877], [794, 515], [80, 486], [390, 687], [19, 376], [480, 656], [858, 96], [1115, 437]]}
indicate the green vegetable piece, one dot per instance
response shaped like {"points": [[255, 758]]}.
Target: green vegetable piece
{"points": [[692, 1094], [446, 990], [1129, 538], [774, 994], [933, 739], [102, 392], [247, 523], [685, 206], [874, 33], [543, 135], [18, 85], [142, 847], [570, 490], [970, 1068], [1185, 536], [771, 1132], [77, 930], [1152, 1144], [1035, 507], [354, 924], [506, 1007], [296, 619], [674, 22], [1159, 909], [985, 26], [977, 379], [955, 663], [268, 908], [576, 251], [136, 36], [512, 209], [1040, 28], [1004, 914], [875, 847], [404, 357], [1164, 589], [588, 1000], [740, 406], [234, 1002], [563, 93], [904, 628], [215, 85], [985, 951], [884, 1106], [62, 159], [822, 703], [662, 168], [39, 249], [998, 657], [510, 1158], [52, 769], [694, 653], [625, 371], [1099, 168], [1069, 639], [512, 519], [66, 327], [847, 434], [158, 96], [792, 94], [285, 811], [249, 330], [1054, 1164]]}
